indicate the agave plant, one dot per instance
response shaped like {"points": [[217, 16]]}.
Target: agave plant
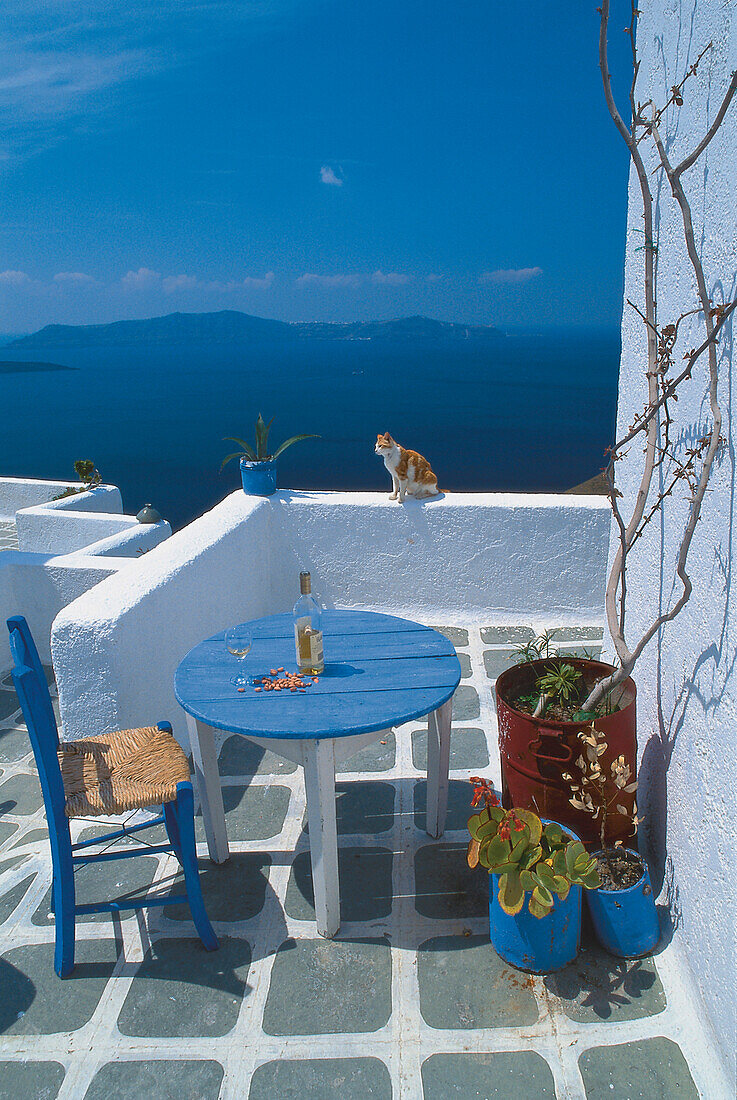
{"points": [[529, 858], [261, 451]]}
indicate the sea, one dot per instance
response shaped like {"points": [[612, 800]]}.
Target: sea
{"points": [[530, 411]]}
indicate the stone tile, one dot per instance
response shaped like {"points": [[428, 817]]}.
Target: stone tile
{"points": [[14, 744], [568, 633], [362, 807], [379, 757], [239, 756], [39, 838], [9, 704], [599, 987], [650, 1069], [455, 634], [251, 813], [465, 663], [119, 878], [464, 984], [233, 891], [184, 1079], [322, 1079], [522, 1075], [445, 886], [10, 901], [507, 635], [183, 990], [321, 987], [497, 661], [468, 748], [580, 649], [20, 795], [365, 885], [32, 1080], [34, 1000], [460, 794], [465, 704], [7, 828]]}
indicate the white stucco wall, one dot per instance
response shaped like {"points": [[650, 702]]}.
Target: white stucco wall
{"points": [[687, 685], [466, 558]]}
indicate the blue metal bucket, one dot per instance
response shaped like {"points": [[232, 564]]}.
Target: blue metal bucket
{"points": [[625, 921], [258, 478], [538, 944]]}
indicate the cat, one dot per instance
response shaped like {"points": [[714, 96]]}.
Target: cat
{"points": [[410, 472]]}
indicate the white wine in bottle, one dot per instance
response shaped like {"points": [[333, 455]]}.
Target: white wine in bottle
{"points": [[308, 629]]}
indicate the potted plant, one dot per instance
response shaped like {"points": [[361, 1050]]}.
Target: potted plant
{"points": [[87, 473], [258, 467], [541, 710], [536, 872], [623, 906]]}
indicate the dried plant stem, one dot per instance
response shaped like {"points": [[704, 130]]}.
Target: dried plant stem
{"points": [[656, 417]]}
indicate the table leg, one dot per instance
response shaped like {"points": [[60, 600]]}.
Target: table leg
{"points": [[202, 743], [438, 762], [319, 765]]}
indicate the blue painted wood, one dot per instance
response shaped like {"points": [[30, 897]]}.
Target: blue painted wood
{"points": [[119, 833], [380, 671], [33, 693]]}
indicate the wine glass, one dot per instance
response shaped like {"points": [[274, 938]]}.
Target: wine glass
{"points": [[238, 641]]}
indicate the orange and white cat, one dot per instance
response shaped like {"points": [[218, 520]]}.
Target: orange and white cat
{"points": [[410, 473]]}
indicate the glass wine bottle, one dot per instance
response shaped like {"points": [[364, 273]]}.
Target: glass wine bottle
{"points": [[308, 629]]}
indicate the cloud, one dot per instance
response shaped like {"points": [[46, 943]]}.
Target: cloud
{"points": [[73, 278], [327, 175], [252, 283], [308, 280], [510, 275], [143, 279], [432, 278], [391, 278], [172, 283], [14, 278]]}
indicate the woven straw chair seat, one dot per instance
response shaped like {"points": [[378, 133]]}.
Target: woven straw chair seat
{"points": [[116, 772]]}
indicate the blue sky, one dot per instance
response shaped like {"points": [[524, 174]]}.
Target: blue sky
{"points": [[308, 159]]}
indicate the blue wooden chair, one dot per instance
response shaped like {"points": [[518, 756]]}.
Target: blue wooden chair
{"points": [[111, 774]]}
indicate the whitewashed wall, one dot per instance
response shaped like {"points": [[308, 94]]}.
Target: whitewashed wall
{"points": [[466, 558], [687, 686]]}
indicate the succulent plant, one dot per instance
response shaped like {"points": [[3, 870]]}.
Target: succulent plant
{"points": [[529, 858], [261, 451]]}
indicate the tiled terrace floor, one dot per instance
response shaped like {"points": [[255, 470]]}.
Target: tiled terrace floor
{"points": [[409, 1001]]}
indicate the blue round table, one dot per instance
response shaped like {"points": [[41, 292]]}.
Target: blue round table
{"points": [[380, 672]]}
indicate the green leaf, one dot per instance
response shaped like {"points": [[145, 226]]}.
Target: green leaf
{"points": [[235, 454], [496, 813], [533, 823], [553, 834], [487, 831], [562, 886], [246, 447], [519, 848], [544, 875], [262, 436], [531, 857], [511, 894], [474, 821], [289, 442], [541, 903], [527, 881], [499, 850]]}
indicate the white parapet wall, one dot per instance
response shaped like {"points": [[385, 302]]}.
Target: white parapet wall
{"points": [[66, 547], [464, 558], [687, 676]]}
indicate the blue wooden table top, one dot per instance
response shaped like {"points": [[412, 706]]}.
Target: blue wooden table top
{"points": [[380, 671]]}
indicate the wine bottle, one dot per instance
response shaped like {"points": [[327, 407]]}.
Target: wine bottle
{"points": [[308, 629]]}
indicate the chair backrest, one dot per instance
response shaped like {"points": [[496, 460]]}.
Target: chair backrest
{"points": [[33, 692]]}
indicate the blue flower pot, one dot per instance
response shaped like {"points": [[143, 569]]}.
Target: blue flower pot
{"points": [[258, 478], [625, 921], [538, 944]]}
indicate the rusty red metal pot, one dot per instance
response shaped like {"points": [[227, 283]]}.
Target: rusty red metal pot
{"points": [[535, 751]]}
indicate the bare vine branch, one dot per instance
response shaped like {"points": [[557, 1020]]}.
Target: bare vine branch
{"points": [[656, 419]]}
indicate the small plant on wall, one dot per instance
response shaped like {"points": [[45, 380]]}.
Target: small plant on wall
{"points": [[87, 473]]}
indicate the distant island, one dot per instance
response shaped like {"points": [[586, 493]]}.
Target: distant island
{"points": [[31, 368], [230, 326]]}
